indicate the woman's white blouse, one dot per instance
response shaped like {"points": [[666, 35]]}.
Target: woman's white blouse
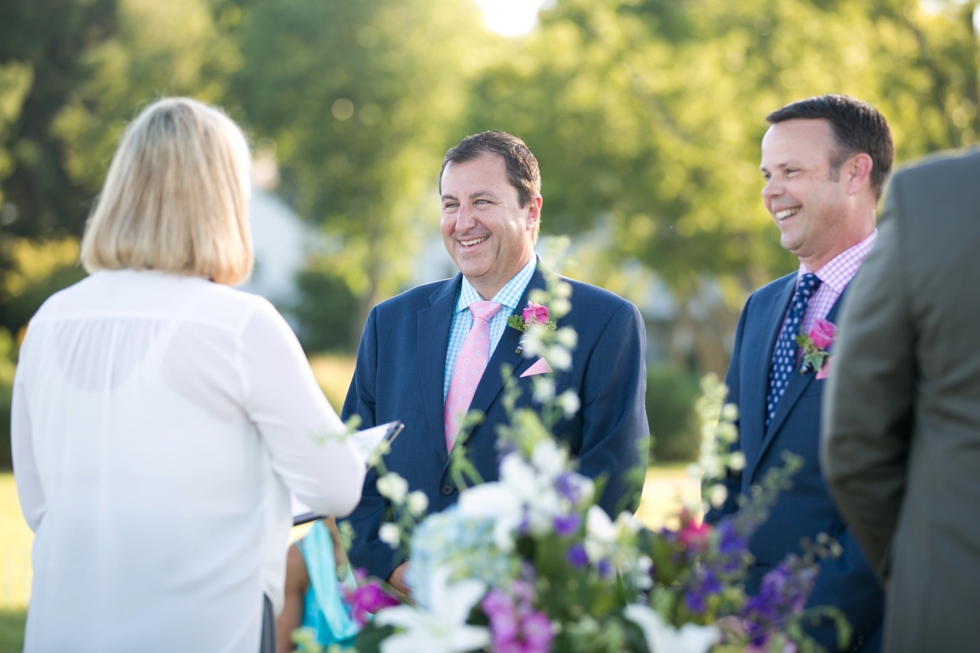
{"points": [[157, 423]]}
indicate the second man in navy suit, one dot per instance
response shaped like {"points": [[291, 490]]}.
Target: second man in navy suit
{"points": [[825, 160], [414, 346]]}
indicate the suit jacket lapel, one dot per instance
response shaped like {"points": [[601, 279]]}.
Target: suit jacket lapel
{"points": [[434, 322], [798, 383], [759, 375]]}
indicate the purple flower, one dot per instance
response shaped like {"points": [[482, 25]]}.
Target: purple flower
{"points": [[705, 585], [783, 591], [605, 568], [537, 632], [576, 556], [499, 608], [567, 525], [368, 598], [517, 629], [523, 591], [569, 487], [730, 543]]}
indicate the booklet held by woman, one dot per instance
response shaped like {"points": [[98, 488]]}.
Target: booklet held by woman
{"points": [[365, 442]]}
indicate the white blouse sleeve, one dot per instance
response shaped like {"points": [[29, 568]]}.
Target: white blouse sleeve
{"points": [[282, 398], [22, 449]]}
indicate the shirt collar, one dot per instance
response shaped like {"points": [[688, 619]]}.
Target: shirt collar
{"points": [[508, 296], [838, 271]]}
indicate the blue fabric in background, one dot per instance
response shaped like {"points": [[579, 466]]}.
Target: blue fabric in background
{"points": [[323, 608]]}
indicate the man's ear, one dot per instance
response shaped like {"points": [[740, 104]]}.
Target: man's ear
{"points": [[534, 211], [858, 172]]}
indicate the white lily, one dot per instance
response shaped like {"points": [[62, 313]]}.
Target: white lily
{"points": [[496, 502], [603, 535], [523, 492], [662, 637], [443, 629]]}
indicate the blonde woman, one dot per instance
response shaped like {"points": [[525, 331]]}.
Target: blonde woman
{"points": [[159, 416]]}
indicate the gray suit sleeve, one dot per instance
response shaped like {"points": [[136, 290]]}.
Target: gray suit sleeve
{"points": [[868, 402]]}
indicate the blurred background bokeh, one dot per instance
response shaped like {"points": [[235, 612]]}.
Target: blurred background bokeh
{"points": [[645, 115]]}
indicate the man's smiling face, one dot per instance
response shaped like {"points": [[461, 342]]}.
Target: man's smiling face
{"points": [[485, 229], [810, 207]]}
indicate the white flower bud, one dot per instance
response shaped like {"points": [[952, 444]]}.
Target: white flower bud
{"points": [[560, 308], [559, 357], [736, 462], [569, 403], [717, 495], [544, 388], [567, 337], [417, 503], [393, 487], [390, 534]]}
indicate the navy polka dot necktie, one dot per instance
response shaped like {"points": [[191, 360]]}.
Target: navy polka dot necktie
{"points": [[784, 356]]}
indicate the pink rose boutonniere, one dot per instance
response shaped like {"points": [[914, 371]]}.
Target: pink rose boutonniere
{"points": [[533, 314], [816, 345]]}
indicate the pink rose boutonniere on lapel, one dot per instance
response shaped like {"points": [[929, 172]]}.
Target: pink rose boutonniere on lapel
{"points": [[533, 314], [816, 345]]}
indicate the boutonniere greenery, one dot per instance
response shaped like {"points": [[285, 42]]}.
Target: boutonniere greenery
{"points": [[532, 314], [816, 345]]}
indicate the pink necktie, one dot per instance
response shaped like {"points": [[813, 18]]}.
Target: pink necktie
{"points": [[471, 361]]}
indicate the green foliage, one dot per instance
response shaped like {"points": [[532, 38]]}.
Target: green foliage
{"points": [[7, 354], [324, 308], [671, 394], [12, 630], [357, 97], [646, 115]]}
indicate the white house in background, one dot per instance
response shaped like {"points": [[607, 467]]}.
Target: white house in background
{"points": [[282, 242]]}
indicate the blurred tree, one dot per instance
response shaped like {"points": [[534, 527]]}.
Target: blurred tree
{"points": [[358, 97], [323, 309], [42, 58], [72, 74], [646, 116]]}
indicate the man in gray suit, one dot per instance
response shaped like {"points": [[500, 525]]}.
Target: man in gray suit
{"points": [[901, 438]]}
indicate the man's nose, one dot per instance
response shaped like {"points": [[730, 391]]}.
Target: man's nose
{"points": [[771, 189], [464, 219]]}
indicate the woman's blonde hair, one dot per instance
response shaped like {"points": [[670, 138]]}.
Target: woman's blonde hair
{"points": [[176, 197]]}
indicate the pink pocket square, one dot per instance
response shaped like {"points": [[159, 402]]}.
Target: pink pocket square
{"points": [[540, 367], [824, 371]]}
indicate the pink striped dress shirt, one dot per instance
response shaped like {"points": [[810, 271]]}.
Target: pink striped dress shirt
{"points": [[834, 275]]}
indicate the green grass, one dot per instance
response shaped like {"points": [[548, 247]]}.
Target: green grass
{"points": [[12, 630]]}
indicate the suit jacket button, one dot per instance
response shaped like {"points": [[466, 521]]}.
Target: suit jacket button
{"points": [[447, 489]]}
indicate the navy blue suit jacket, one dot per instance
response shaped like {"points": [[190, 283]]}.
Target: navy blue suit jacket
{"points": [[807, 509], [399, 376]]}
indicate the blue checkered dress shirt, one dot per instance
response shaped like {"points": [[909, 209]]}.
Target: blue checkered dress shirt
{"points": [[508, 296]]}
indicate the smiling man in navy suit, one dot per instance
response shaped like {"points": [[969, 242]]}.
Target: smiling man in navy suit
{"points": [[417, 347], [825, 160]]}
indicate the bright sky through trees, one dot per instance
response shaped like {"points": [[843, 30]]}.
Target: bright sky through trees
{"points": [[510, 17]]}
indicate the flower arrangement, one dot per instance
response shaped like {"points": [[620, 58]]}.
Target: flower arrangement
{"points": [[530, 563]]}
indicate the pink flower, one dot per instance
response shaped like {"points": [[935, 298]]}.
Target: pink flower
{"points": [[692, 534], [536, 313], [822, 333], [824, 371], [537, 632], [368, 598]]}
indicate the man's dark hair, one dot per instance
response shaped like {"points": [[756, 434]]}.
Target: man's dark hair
{"points": [[522, 167], [857, 126]]}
